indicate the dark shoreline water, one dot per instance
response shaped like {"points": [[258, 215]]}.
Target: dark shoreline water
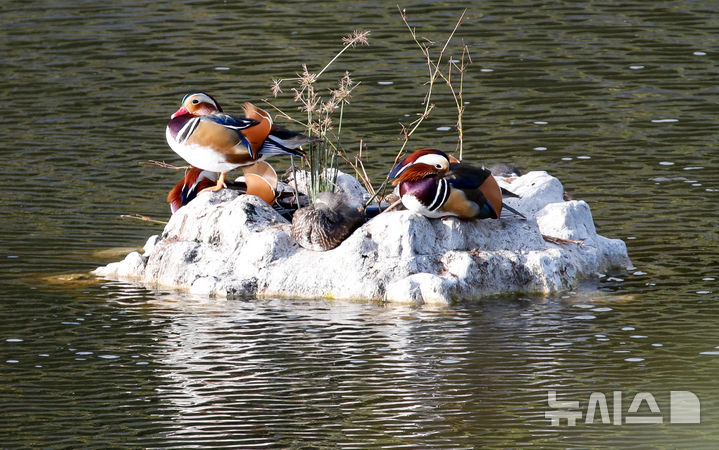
{"points": [[617, 101]]}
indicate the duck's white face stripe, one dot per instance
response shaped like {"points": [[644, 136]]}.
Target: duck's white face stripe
{"points": [[187, 130], [439, 162], [201, 98], [441, 196]]}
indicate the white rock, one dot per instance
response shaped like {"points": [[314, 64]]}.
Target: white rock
{"points": [[567, 220], [232, 245], [421, 288], [536, 190], [344, 183], [129, 268], [206, 286], [150, 245]]}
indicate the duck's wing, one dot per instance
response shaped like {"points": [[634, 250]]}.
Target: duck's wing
{"points": [[478, 184]]}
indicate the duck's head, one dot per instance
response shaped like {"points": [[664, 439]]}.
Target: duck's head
{"points": [[421, 164], [197, 104]]}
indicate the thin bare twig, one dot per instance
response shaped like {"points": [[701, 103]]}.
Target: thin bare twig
{"points": [[559, 241], [358, 167], [282, 113], [365, 178], [164, 165], [392, 206], [434, 72], [143, 218]]}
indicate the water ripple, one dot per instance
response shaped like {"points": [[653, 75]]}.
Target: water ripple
{"points": [[616, 99]]}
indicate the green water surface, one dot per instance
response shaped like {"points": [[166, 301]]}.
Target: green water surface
{"points": [[616, 99]]}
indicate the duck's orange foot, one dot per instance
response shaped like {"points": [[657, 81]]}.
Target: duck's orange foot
{"points": [[215, 188], [218, 186]]}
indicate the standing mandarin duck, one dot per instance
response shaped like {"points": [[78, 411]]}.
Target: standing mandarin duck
{"points": [[260, 179], [210, 140], [434, 184]]}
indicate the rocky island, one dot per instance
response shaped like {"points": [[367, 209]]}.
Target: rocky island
{"points": [[230, 245]]}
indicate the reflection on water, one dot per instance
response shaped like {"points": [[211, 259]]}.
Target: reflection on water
{"points": [[153, 369], [617, 100]]}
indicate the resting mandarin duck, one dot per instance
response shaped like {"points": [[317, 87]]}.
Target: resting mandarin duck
{"points": [[260, 179], [187, 189], [436, 185], [211, 140]]}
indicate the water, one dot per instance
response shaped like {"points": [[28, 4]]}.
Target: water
{"points": [[617, 100]]}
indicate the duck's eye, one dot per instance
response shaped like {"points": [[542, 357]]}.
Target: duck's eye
{"points": [[195, 101], [439, 166]]}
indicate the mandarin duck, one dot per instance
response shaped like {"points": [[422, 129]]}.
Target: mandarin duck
{"points": [[435, 185], [505, 170], [259, 179], [211, 140], [187, 189]]}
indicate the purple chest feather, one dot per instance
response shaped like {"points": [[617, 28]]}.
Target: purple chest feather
{"points": [[177, 123], [424, 190]]}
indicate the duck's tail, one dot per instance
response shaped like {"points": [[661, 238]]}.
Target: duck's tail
{"points": [[270, 139], [514, 211], [282, 141]]}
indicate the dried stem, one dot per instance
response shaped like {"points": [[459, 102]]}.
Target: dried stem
{"points": [[164, 165], [560, 241], [435, 72], [143, 218], [457, 95], [392, 206], [322, 155], [358, 37], [282, 113], [358, 167]]}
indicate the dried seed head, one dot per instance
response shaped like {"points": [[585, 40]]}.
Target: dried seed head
{"points": [[276, 89], [357, 37], [330, 105], [310, 104], [306, 78], [326, 123], [346, 80], [344, 90]]}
